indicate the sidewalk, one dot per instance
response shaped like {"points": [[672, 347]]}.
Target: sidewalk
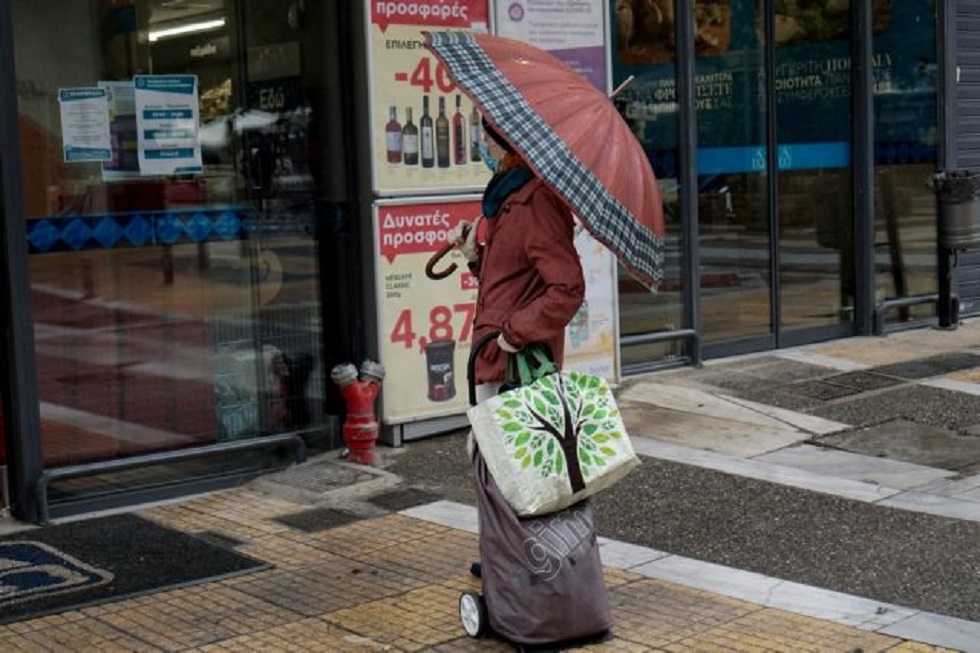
{"points": [[391, 583], [364, 560]]}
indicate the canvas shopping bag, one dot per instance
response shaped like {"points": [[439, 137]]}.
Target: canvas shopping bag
{"points": [[553, 440]]}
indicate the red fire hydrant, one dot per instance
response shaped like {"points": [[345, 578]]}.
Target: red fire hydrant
{"points": [[361, 424]]}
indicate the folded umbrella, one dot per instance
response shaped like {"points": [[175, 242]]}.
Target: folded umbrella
{"points": [[570, 134]]}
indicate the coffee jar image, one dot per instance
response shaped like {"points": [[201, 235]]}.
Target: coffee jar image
{"points": [[440, 363]]}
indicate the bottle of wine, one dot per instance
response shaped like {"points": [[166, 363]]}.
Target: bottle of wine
{"points": [[459, 136], [410, 140], [442, 135], [393, 136], [428, 137], [476, 134]]}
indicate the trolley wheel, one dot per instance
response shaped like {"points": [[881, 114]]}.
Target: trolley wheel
{"points": [[473, 614]]}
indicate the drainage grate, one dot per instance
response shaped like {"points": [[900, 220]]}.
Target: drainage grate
{"points": [[220, 539], [921, 368], [318, 519], [402, 499], [863, 381], [822, 390], [319, 477]]}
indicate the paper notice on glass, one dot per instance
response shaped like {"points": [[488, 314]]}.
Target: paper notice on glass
{"points": [[168, 124], [84, 124], [124, 163]]}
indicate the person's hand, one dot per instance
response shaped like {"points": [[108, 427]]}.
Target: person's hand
{"points": [[463, 236], [506, 346]]}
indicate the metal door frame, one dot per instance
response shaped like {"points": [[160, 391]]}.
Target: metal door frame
{"points": [[18, 380], [862, 195]]}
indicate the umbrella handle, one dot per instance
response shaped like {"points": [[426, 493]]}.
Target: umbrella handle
{"points": [[430, 266]]}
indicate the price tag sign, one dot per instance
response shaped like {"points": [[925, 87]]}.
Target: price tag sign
{"points": [[424, 131], [425, 325]]}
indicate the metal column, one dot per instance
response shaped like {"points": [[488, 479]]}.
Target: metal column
{"points": [[863, 165], [19, 382]]}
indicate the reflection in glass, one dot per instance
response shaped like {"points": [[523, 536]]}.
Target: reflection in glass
{"points": [[905, 156], [733, 204], [177, 310], [647, 106]]}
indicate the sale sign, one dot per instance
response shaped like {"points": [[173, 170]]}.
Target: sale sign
{"points": [[425, 133], [425, 325]]}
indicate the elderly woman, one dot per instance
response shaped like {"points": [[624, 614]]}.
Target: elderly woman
{"points": [[530, 276]]}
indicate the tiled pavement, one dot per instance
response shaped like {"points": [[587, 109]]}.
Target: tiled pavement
{"points": [[391, 583]]}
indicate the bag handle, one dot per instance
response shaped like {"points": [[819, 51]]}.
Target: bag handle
{"points": [[532, 363], [529, 364], [471, 363]]}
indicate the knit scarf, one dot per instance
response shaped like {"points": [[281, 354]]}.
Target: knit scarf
{"points": [[509, 179]]}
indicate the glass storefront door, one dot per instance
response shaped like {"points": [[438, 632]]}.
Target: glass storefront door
{"points": [[776, 252], [180, 166]]}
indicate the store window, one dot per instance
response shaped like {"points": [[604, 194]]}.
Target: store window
{"points": [[733, 200], [906, 152], [174, 184], [643, 35]]}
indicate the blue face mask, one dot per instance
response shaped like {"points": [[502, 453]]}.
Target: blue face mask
{"points": [[490, 162]]}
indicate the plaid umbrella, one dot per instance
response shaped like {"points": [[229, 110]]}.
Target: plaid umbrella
{"points": [[570, 133]]}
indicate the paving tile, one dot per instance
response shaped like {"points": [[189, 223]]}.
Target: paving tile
{"points": [[318, 519], [822, 390], [317, 589], [922, 405], [72, 631], [857, 467], [401, 499], [863, 380], [937, 365], [718, 434], [900, 439], [303, 635], [413, 621]]}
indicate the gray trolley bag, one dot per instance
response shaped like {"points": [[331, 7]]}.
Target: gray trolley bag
{"points": [[542, 576]]}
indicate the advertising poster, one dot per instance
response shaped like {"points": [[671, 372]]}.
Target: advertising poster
{"points": [[424, 131], [572, 30], [590, 338], [168, 124], [84, 124], [425, 326]]}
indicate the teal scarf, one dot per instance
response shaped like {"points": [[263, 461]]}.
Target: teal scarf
{"points": [[502, 186]]}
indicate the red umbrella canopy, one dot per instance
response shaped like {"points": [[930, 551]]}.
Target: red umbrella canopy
{"points": [[570, 133]]}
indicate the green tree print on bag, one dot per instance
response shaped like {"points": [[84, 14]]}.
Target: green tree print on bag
{"points": [[550, 439], [562, 424]]}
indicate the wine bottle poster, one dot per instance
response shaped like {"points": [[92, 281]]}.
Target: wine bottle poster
{"points": [[424, 131], [425, 326]]}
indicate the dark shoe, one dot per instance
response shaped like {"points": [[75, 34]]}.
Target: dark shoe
{"points": [[476, 569]]}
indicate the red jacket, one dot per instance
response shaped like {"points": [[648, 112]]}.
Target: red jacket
{"points": [[530, 277]]}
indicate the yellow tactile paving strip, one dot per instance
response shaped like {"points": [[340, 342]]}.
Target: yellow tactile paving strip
{"points": [[390, 584]]}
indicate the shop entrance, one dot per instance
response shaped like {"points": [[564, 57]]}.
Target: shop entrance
{"points": [[179, 266], [774, 168]]}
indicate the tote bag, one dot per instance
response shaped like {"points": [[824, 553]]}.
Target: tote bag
{"points": [[553, 438]]}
